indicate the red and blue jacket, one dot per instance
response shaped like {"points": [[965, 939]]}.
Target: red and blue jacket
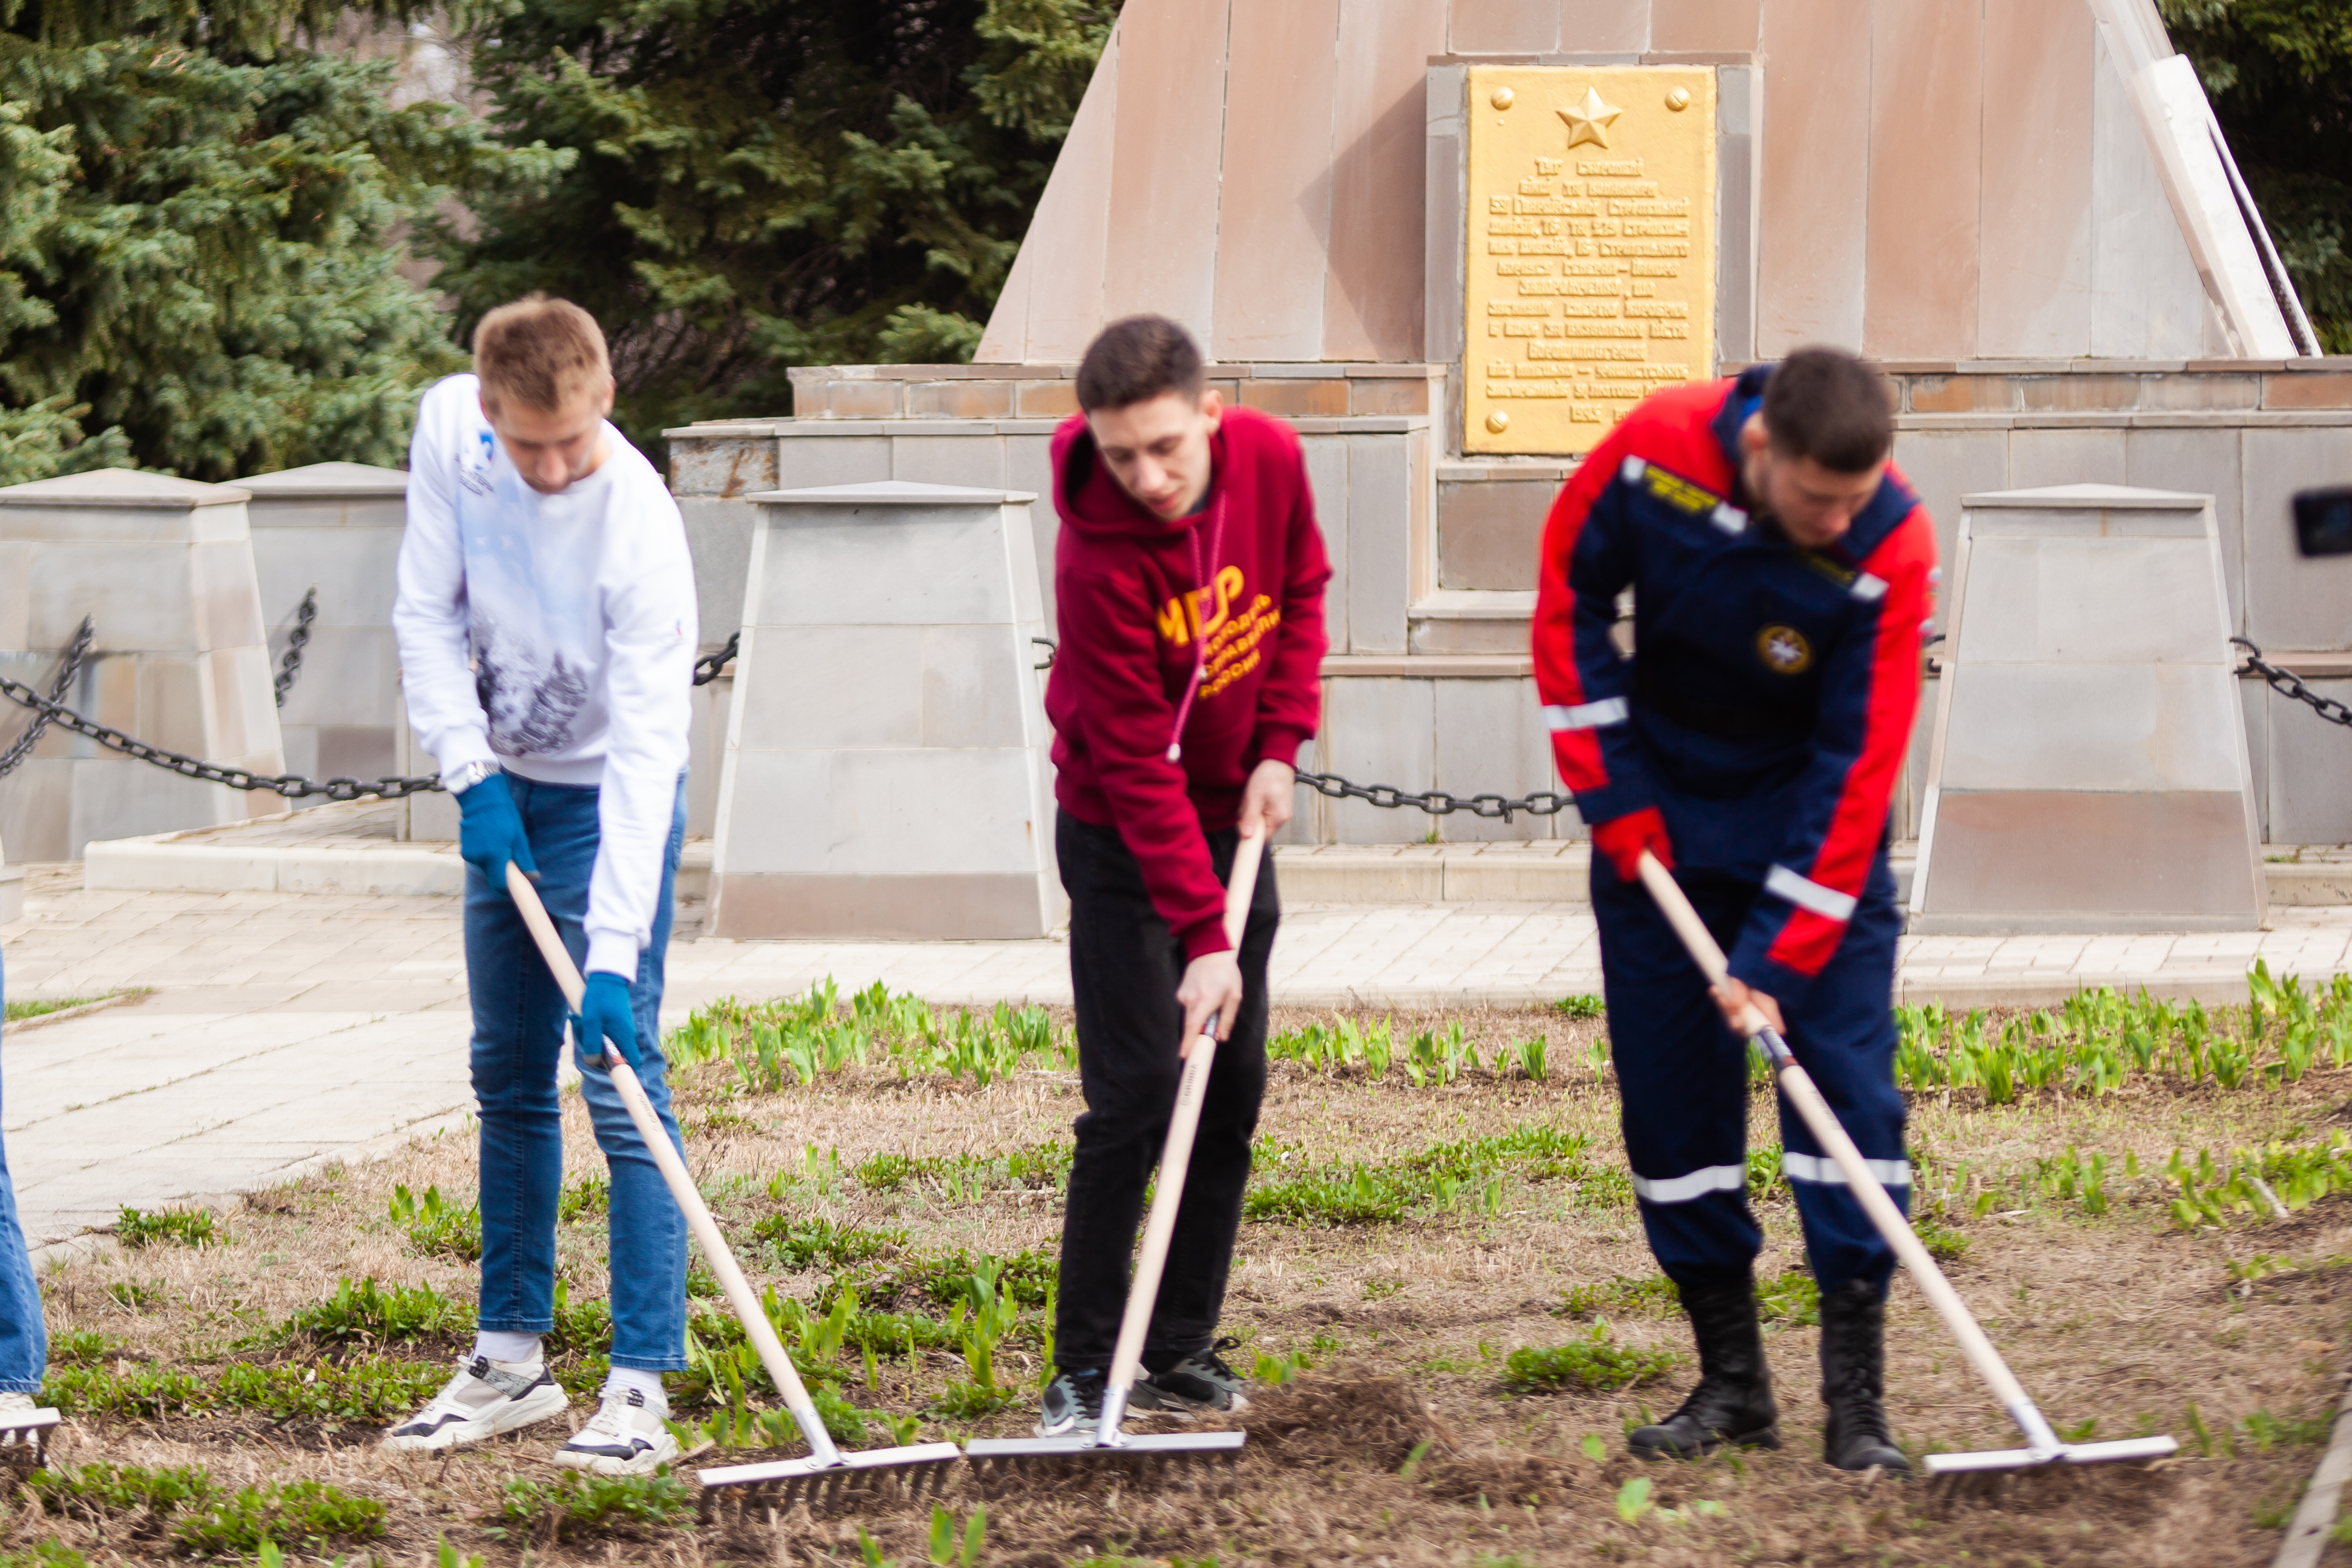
{"points": [[1768, 703]]}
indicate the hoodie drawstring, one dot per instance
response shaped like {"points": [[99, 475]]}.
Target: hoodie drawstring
{"points": [[1202, 584]]}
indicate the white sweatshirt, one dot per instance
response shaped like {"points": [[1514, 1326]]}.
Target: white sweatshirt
{"points": [[555, 635]]}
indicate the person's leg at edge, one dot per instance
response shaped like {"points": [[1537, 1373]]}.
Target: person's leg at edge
{"points": [[1842, 1033], [1683, 1079], [23, 1339], [1124, 965], [1181, 1349]]}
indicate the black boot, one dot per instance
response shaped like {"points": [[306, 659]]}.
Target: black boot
{"points": [[1853, 1381], [1733, 1400]]}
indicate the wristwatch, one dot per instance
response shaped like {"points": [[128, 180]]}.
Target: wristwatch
{"points": [[465, 776]]}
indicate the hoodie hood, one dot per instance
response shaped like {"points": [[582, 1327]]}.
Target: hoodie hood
{"points": [[1091, 500]]}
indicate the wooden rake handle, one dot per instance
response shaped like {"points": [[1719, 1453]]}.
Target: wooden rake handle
{"points": [[1802, 1093], [1192, 1089], [739, 1296]]}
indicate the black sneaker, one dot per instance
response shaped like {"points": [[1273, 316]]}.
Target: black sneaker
{"points": [[1202, 1381], [1074, 1399]]}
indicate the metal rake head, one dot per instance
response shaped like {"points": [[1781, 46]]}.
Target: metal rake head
{"points": [[1153, 1460], [876, 1476], [2010, 1460]]}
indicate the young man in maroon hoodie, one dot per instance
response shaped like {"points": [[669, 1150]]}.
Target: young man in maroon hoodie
{"points": [[1189, 583]]}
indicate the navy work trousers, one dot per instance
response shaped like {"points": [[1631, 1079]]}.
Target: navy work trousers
{"points": [[1684, 1078]]}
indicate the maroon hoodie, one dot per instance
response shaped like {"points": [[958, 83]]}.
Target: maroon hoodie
{"points": [[1135, 618]]}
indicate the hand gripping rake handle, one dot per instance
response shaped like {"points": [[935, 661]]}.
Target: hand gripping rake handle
{"points": [[1798, 1087], [748, 1311], [1192, 1089]]}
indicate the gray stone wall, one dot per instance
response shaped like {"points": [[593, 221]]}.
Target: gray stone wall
{"points": [[165, 568], [2251, 462], [334, 527], [1435, 555]]}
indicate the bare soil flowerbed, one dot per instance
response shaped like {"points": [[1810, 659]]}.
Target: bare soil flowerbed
{"points": [[1444, 1292]]}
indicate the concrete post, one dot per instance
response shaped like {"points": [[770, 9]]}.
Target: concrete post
{"points": [[2089, 769], [335, 527], [885, 768], [165, 567]]}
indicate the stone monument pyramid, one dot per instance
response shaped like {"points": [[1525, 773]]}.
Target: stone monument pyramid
{"points": [[1998, 179]]}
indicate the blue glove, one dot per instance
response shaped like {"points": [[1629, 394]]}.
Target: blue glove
{"points": [[489, 831], [605, 1015]]}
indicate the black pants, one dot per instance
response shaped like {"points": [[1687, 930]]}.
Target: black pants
{"points": [[1125, 966]]}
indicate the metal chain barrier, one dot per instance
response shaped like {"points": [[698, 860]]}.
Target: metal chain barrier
{"points": [[290, 785], [51, 709], [70, 665], [2288, 684], [1386, 797], [289, 668], [1436, 802], [707, 668]]}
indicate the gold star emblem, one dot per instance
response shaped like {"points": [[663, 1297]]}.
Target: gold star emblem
{"points": [[1590, 120]]}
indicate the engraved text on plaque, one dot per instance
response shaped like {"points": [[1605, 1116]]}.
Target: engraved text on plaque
{"points": [[1591, 275]]}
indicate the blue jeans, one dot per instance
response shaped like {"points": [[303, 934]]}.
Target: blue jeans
{"points": [[518, 1043], [24, 1341]]}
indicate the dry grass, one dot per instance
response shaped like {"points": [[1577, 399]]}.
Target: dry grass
{"points": [[2115, 1317]]}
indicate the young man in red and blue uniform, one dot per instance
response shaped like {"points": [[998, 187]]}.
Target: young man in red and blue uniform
{"points": [[1782, 572], [1188, 585]]}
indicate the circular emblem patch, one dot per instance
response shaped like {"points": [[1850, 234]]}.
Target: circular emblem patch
{"points": [[1784, 651]]}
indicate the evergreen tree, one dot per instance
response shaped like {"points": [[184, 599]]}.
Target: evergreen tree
{"points": [[197, 217], [2280, 75], [761, 184]]}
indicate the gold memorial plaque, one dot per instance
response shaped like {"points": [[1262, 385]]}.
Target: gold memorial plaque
{"points": [[1591, 276]]}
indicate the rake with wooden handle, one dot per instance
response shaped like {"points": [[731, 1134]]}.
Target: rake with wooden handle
{"points": [[1106, 1441], [2044, 1446], [827, 1473]]}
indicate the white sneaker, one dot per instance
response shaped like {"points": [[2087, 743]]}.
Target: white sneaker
{"points": [[486, 1398], [625, 1437]]}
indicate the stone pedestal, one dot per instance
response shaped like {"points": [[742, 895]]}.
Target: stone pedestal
{"points": [[165, 568], [886, 771], [335, 527], [2089, 769]]}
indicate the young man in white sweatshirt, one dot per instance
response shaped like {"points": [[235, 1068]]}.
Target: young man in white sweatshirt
{"points": [[546, 621]]}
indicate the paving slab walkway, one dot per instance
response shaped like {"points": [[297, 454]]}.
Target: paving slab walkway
{"points": [[284, 1030]]}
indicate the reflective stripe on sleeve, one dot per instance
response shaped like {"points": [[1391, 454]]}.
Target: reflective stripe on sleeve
{"points": [[1868, 589], [1588, 715], [1632, 470], [1697, 1184], [1808, 894], [1823, 1171], [1729, 518]]}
